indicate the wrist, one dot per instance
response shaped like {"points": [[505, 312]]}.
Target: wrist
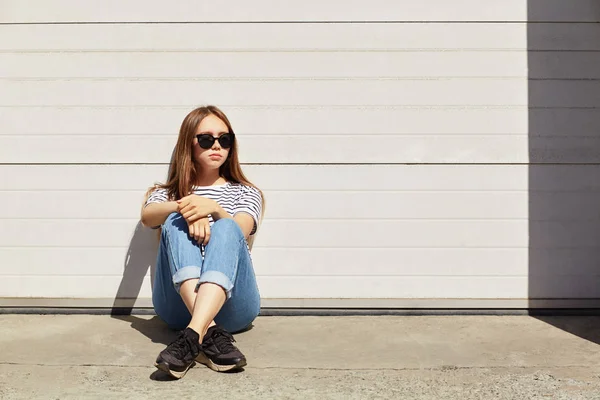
{"points": [[219, 212]]}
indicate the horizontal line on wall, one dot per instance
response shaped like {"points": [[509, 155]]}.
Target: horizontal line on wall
{"points": [[287, 78], [314, 164], [261, 79], [294, 248], [237, 50], [311, 135], [315, 275], [173, 135], [345, 191], [525, 247], [370, 22], [557, 50], [398, 247], [466, 107], [283, 50], [248, 134], [563, 108], [287, 107], [301, 50], [268, 79], [372, 219], [286, 50], [562, 79], [340, 135], [81, 164]]}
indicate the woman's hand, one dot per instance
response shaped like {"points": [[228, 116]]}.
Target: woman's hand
{"points": [[200, 230], [194, 207]]}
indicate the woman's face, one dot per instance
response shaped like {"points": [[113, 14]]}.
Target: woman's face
{"points": [[216, 155]]}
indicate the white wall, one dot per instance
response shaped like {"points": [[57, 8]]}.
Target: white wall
{"points": [[391, 142]]}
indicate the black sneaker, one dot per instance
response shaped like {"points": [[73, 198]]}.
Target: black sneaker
{"points": [[179, 356], [218, 352]]}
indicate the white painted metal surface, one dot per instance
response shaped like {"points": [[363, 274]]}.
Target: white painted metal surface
{"points": [[432, 111], [261, 11]]}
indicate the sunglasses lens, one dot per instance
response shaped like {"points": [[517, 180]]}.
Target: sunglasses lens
{"points": [[226, 140], [205, 141]]}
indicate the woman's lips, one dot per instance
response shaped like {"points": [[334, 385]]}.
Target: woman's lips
{"points": [[215, 155]]}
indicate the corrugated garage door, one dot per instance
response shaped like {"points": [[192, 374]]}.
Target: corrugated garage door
{"points": [[390, 138]]}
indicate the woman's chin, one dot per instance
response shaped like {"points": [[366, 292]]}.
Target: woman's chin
{"points": [[210, 164]]}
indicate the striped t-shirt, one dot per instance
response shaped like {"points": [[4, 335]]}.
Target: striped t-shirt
{"points": [[233, 197]]}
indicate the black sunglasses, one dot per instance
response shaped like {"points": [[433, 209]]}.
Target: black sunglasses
{"points": [[206, 140]]}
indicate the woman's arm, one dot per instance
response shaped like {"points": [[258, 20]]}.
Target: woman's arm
{"points": [[244, 220], [194, 207], [154, 214]]}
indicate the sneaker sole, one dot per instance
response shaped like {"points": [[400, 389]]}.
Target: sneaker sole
{"points": [[202, 359], [164, 366]]}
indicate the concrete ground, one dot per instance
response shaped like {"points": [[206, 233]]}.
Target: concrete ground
{"points": [[453, 357]]}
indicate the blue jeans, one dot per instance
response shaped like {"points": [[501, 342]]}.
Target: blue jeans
{"points": [[226, 262]]}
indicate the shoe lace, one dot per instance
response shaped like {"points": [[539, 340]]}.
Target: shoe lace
{"points": [[181, 346], [224, 341]]}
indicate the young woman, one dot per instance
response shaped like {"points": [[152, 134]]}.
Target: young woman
{"points": [[204, 282]]}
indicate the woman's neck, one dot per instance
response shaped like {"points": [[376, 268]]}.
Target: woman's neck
{"points": [[210, 179]]}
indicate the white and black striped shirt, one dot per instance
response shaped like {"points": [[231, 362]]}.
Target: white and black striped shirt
{"points": [[233, 197]]}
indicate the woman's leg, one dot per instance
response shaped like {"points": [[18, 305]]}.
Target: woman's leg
{"points": [[179, 265], [227, 289], [243, 305], [226, 276], [177, 271]]}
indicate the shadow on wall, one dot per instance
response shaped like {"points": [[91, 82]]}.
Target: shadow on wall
{"points": [[564, 155], [140, 257]]}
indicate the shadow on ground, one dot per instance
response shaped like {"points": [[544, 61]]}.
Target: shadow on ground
{"points": [[587, 328], [154, 328]]}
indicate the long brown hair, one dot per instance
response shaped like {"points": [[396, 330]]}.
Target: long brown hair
{"points": [[183, 172]]}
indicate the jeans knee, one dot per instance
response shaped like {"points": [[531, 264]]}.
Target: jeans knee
{"points": [[227, 227], [239, 324], [172, 218], [173, 226], [174, 221]]}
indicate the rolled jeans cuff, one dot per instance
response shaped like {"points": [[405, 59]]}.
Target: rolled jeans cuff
{"points": [[218, 278], [185, 273]]}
